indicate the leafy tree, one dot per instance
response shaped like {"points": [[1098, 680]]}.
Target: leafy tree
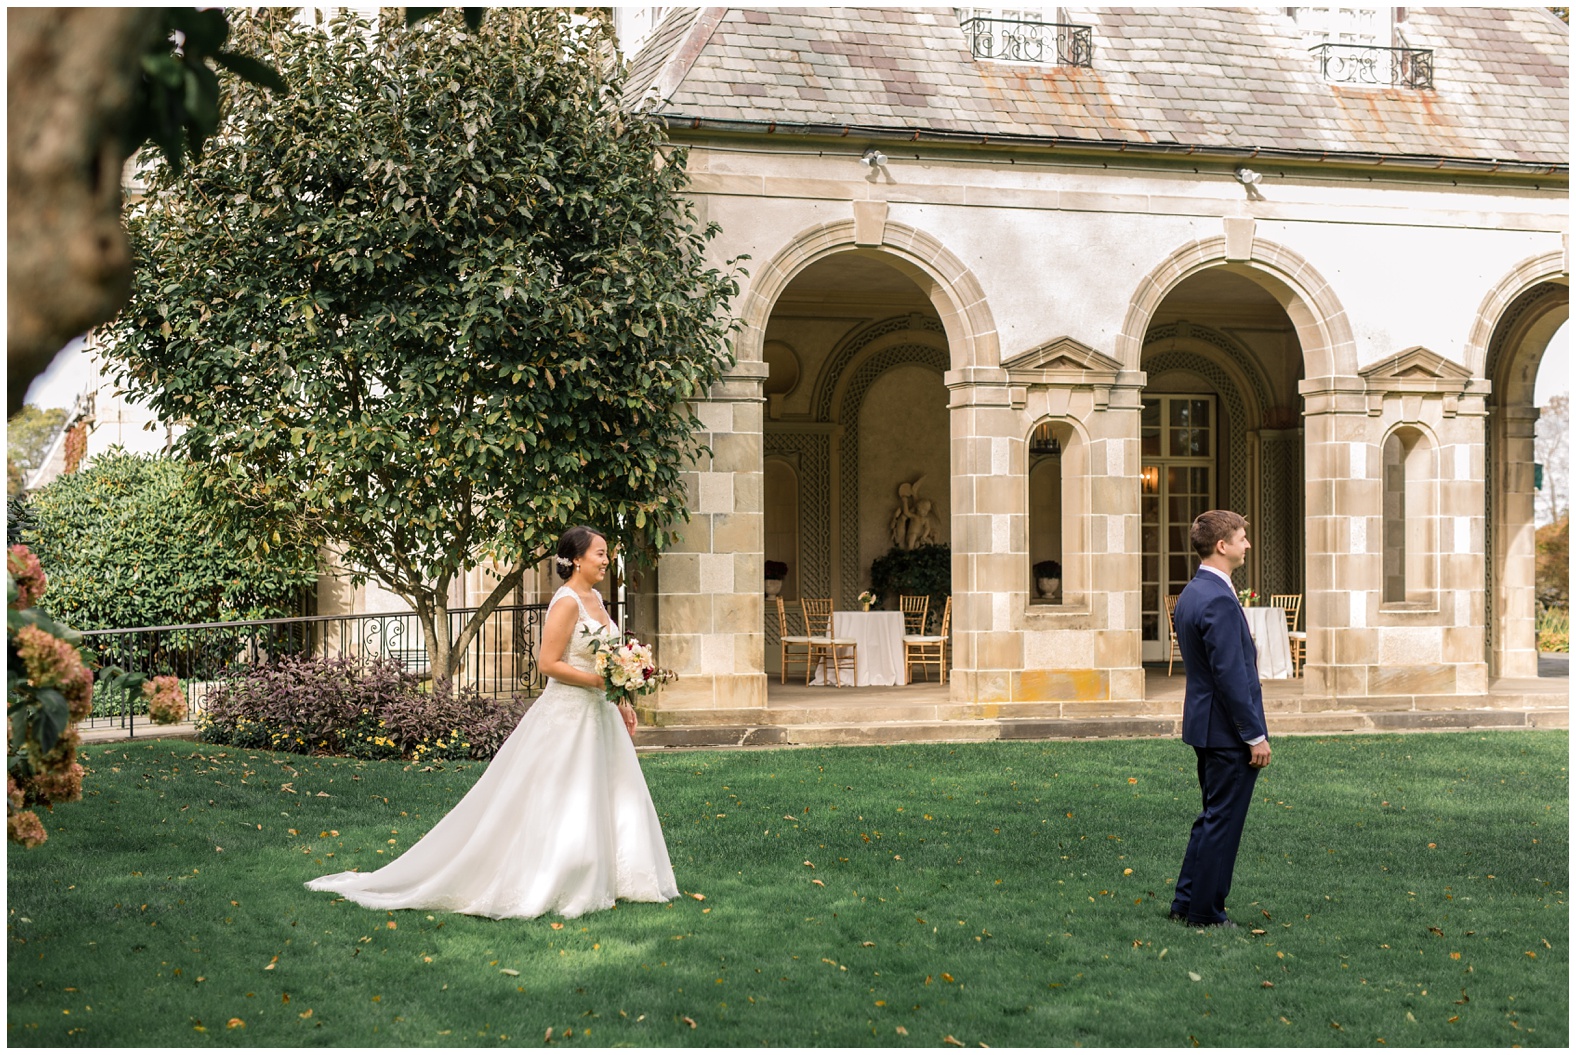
{"points": [[27, 437], [86, 87], [441, 302], [1553, 582], [127, 542], [1552, 450]]}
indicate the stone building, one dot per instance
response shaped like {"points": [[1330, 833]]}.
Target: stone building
{"points": [[1298, 263]]}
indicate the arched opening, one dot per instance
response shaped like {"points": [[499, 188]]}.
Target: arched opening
{"points": [[1525, 313], [1410, 524], [1219, 429], [1055, 507], [863, 431]]}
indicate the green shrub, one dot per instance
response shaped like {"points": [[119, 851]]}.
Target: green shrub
{"points": [[125, 544], [1554, 630], [923, 570]]}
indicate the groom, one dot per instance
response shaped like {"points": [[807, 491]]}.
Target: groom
{"points": [[1222, 716]]}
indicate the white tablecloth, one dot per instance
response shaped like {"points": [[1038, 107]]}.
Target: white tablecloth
{"points": [[1268, 627], [878, 636]]}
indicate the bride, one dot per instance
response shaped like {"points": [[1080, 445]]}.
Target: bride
{"points": [[561, 821]]}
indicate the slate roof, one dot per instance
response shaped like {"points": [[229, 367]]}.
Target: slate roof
{"points": [[1236, 79]]}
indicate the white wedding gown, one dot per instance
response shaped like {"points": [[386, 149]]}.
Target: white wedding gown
{"points": [[561, 821]]}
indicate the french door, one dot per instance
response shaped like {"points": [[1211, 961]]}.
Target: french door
{"points": [[1177, 442]]}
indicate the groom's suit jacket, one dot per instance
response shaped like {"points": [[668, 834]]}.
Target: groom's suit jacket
{"points": [[1224, 704]]}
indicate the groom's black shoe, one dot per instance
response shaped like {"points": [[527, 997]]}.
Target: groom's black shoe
{"points": [[1224, 924]]}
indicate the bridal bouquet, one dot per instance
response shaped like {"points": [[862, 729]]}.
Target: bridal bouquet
{"points": [[627, 668]]}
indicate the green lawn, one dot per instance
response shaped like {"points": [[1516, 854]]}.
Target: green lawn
{"points": [[1409, 888]]}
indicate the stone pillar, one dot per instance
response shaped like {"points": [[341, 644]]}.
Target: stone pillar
{"points": [[990, 537], [1342, 565], [710, 610], [1514, 633]]}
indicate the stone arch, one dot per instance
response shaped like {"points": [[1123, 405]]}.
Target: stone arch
{"points": [[946, 282], [1323, 330], [1520, 313], [1523, 279]]}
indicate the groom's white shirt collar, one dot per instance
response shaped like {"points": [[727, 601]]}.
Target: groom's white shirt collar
{"points": [[1216, 571]]}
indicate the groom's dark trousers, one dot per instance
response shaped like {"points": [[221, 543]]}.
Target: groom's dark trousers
{"points": [[1222, 710]]}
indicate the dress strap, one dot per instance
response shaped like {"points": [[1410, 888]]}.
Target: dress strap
{"points": [[567, 591]]}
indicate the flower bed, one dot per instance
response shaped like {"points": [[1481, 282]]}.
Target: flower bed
{"points": [[343, 707]]}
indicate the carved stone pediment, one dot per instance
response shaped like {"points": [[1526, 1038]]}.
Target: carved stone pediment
{"points": [[1414, 365], [1062, 360], [1418, 372]]}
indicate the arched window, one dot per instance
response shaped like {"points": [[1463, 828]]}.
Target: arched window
{"points": [[1053, 505], [1410, 521]]}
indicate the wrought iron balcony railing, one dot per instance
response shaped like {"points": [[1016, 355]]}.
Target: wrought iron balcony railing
{"points": [[1045, 43], [1362, 64]]}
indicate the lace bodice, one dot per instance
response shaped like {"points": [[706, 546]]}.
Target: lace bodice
{"points": [[579, 654]]}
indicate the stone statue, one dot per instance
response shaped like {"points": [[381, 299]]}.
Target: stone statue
{"points": [[921, 526], [904, 513], [912, 524]]}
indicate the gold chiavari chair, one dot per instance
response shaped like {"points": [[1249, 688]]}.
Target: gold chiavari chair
{"points": [[824, 647], [1171, 630], [1298, 639], [916, 612], [923, 650], [795, 649]]}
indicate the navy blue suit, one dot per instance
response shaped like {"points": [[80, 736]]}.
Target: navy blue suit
{"points": [[1223, 709]]}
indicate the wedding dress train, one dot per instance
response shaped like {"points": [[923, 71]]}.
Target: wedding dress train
{"points": [[561, 821]]}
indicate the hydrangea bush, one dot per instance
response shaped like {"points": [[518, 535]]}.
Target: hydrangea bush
{"points": [[49, 689], [364, 710]]}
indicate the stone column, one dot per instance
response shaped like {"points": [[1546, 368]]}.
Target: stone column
{"points": [[990, 536], [1513, 620], [710, 609], [1342, 566]]}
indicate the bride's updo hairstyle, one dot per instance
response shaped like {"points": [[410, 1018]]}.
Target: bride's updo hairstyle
{"points": [[572, 545]]}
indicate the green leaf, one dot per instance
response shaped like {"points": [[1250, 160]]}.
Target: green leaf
{"points": [[250, 69], [51, 718]]}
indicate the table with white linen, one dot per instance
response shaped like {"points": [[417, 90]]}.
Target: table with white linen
{"points": [[1268, 627], [878, 638]]}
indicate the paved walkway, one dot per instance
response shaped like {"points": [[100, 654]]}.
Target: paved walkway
{"points": [[799, 714]]}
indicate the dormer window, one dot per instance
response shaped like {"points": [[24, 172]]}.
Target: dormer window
{"points": [[1363, 46], [1022, 35]]}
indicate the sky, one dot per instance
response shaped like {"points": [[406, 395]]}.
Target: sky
{"points": [[60, 385]]}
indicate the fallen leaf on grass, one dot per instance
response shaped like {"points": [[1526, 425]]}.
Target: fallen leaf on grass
{"points": [[556, 926], [868, 944], [392, 925], [945, 977], [807, 864], [698, 897], [234, 1023], [549, 1034], [510, 971], [1410, 1017], [306, 1014], [1436, 930], [271, 963], [902, 1032], [817, 882], [688, 1021], [1267, 984], [1453, 1018], [1257, 930], [954, 1041], [1195, 976]]}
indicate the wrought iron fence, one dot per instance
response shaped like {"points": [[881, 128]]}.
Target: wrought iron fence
{"points": [[1014, 40], [1364, 64], [500, 661]]}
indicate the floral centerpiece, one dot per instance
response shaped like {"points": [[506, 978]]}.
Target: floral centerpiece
{"points": [[868, 599], [1246, 597], [627, 667]]}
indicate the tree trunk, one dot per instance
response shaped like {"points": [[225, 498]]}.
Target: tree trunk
{"points": [[72, 76]]}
